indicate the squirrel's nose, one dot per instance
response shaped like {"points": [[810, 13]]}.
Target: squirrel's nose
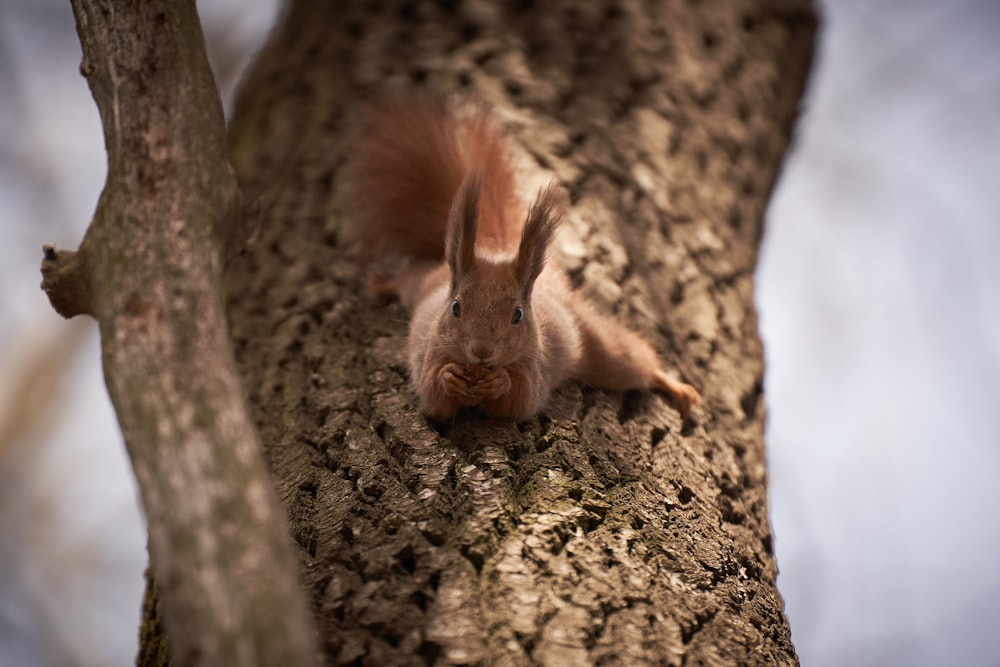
{"points": [[482, 351]]}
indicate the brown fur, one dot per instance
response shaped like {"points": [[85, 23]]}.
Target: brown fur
{"points": [[493, 324], [424, 151]]}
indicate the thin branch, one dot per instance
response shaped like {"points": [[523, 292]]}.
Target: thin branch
{"points": [[147, 270]]}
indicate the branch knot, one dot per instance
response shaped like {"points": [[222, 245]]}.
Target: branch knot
{"points": [[65, 282]]}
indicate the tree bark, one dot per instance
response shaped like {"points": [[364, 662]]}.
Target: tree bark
{"points": [[148, 271], [604, 531]]}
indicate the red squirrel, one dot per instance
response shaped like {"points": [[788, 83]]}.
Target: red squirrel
{"points": [[431, 191]]}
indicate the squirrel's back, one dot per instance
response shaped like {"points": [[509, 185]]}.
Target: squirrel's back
{"points": [[405, 167]]}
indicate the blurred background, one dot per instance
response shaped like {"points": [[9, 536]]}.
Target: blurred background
{"points": [[878, 291]]}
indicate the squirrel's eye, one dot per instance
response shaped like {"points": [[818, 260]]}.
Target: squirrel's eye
{"points": [[518, 315], [456, 309]]}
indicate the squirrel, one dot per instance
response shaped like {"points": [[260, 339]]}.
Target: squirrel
{"points": [[437, 221]]}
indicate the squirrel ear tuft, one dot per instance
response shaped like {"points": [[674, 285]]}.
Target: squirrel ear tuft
{"points": [[463, 221], [539, 230]]}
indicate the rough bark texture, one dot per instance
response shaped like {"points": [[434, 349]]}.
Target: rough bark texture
{"points": [[148, 271], [604, 531]]}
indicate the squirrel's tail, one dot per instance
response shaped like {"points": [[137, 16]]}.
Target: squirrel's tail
{"points": [[405, 167]]}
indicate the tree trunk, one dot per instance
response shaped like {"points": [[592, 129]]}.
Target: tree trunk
{"points": [[605, 530]]}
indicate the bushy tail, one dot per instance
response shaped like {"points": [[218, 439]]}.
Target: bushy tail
{"points": [[405, 167]]}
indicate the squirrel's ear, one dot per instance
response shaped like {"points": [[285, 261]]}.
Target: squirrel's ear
{"points": [[539, 229], [463, 220]]}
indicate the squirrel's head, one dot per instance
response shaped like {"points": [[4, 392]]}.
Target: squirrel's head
{"points": [[489, 319]]}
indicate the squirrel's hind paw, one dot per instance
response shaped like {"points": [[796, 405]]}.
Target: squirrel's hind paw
{"points": [[685, 397]]}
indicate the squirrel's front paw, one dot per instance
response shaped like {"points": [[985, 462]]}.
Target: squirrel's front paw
{"points": [[494, 384], [456, 385]]}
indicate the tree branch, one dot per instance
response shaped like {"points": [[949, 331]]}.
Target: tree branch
{"points": [[148, 271]]}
